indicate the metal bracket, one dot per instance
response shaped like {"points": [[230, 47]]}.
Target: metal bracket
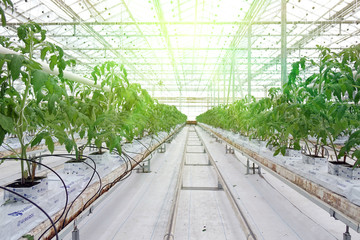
{"points": [[229, 149], [253, 168], [162, 148], [144, 166]]}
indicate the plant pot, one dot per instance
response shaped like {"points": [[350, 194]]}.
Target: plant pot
{"points": [[343, 169], [309, 159], [293, 153], [30, 190], [99, 157], [77, 167]]}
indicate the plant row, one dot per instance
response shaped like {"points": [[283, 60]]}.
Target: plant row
{"points": [[36, 106], [319, 103]]}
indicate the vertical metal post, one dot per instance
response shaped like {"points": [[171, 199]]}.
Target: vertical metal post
{"points": [[224, 72], [233, 76], [247, 167], [249, 62], [283, 43], [75, 235], [346, 235], [180, 98], [229, 87], [218, 91]]}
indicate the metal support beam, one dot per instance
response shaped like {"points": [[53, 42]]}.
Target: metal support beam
{"points": [[283, 43], [157, 23], [249, 61], [233, 76], [164, 31], [224, 73], [187, 49]]}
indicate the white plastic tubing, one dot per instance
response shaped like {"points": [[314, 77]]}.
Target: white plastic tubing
{"points": [[68, 75]]}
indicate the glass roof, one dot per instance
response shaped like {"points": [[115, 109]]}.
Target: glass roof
{"points": [[191, 53]]}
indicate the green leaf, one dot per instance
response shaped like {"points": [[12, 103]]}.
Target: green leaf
{"points": [[61, 51], [51, 103], [28, 237], [38, 138], [277, 152], [22, 32], [302, 62], [98, 142], [49, 143], [82, 134], [357, 97], [39, 79], [3, 17], [283, 150], [43, 35], [15, 65], [69, 145], [53, 62], [2, 135], [6, 123], [43, 52]]}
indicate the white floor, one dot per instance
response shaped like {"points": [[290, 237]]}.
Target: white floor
{"points": [[275, 211], [139, 207], [204, 211]]}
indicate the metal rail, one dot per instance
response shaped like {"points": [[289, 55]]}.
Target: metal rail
{"points": [[173, 212], [72, 226], [239, 213], [285, 175], [245, 226]]}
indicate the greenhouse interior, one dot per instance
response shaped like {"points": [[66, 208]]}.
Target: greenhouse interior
{"points": [[180, 119]]}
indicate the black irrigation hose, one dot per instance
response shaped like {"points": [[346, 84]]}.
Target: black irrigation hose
{"points": [[98, 191], [62, 181], [128, 170], [70, 156], [33, 203], [122, 176], [67, 196], [67, 212], [144, 146]]}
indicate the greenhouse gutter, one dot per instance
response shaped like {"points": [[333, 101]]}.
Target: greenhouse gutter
{"points": [[336, 205], [66, 74]]}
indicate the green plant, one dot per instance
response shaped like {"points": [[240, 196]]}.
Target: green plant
{"points": [[7, 4], [106, 105], [319, 100], [351, 148], [69, 120], [28, 95]]}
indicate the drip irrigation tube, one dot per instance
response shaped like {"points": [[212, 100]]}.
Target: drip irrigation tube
{"points": [[64, 222], [33, 203], [62, 181]]}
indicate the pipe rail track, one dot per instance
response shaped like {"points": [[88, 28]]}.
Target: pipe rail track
{"points": [[244, 224]]}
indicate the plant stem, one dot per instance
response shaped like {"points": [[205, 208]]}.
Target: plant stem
{"points": [[20, 131], [307, 146], [333, 147]]}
